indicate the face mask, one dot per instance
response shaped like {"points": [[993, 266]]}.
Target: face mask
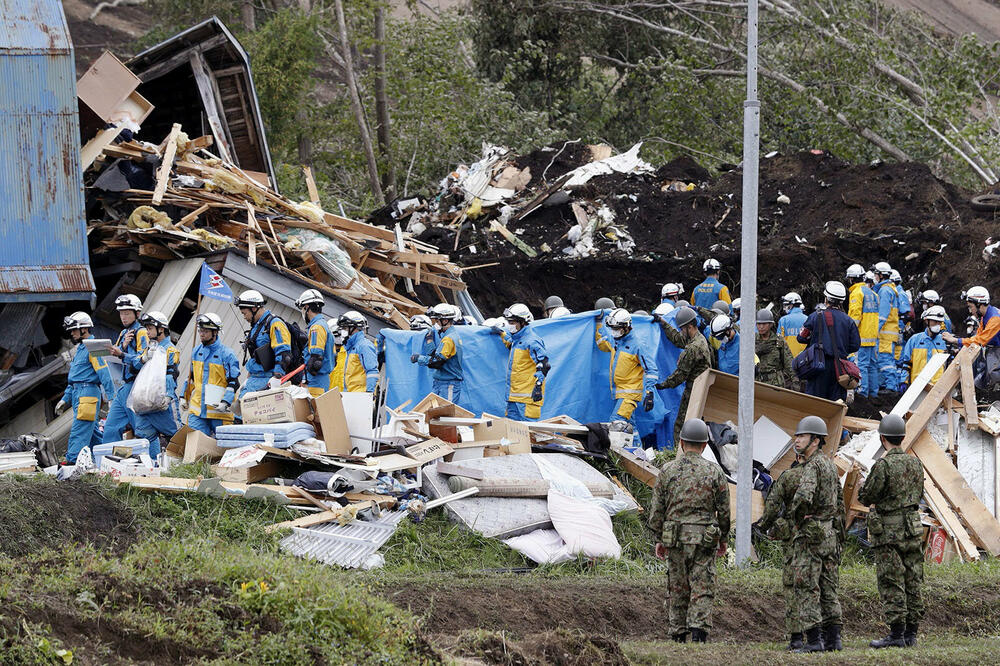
{"points": [[617, 332], [935, 329], [437, 327]]}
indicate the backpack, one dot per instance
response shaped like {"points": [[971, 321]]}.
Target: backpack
{"points": [[299, 341]]}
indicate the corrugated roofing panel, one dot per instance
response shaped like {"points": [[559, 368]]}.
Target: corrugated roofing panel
{"points": [[44, 249], [173, 282]]}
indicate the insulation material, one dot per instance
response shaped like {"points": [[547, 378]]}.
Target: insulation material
{"points": [[977, 464]]}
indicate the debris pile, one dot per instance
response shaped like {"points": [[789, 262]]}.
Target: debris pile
{"points": [[818, 214]]}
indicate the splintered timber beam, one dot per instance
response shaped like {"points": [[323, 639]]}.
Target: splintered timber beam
{"points": [[921, 416], [163, 174]]}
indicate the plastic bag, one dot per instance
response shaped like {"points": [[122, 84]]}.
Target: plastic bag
{"points": [[149, 392]]}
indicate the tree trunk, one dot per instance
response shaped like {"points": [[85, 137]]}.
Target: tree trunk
{"points": [[382, 106], [248, 16], [305, 144], [359, 112]]}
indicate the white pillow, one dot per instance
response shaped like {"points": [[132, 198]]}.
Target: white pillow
{"points": [[541, 546], [584, 526]]}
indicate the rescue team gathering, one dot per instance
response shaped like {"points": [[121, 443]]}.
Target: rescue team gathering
{"points": [[865, 336]]}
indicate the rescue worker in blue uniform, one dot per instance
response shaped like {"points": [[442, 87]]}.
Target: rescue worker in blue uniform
{"points": [[268, 345], [863, 309], [445, 355], [527, 364], [921, 346], [728, 354], [633, 372], [711, 290], [906, 316], [168, 421], [360, 357], [928, 298], [88, 374], [320, 353], [670, 292], [839, 336], [791, 322], [214, 378], [888, 327], [132, 342], [986, 335]]}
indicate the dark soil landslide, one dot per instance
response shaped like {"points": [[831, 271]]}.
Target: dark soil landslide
{"points": [[636, 610]]}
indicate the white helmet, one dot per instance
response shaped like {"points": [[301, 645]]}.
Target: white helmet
{"points": [[420, 322], [352, 319], [493, 322], [791, 299], [76, 321], [154, 318], [835, 291], [882, 268], [934, 313], [663, 308], [736, 305], [519, 312], [930, 296], [128, 302], [855, 272], [619, 318], [209, 321], [978, 295], [559, 312], [309, 297], [670, 289], [720, 325], [894, 276], [251, 298], [443, 311], [871, 277], [711, 266]]}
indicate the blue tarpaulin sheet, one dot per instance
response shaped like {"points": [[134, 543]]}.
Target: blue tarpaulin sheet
{"points": [[577, 384]]}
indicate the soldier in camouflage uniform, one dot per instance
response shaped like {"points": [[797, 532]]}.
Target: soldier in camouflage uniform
{"points": [[775, 358], [695, 359], [690, 516], [893, 490], [817, 513], [775, 519]]}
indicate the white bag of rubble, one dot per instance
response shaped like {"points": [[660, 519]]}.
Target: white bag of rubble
{"points": [[149, 392], [584, 526]]}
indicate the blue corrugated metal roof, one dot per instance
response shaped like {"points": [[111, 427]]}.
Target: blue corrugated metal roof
{"points": [[43, 252]]}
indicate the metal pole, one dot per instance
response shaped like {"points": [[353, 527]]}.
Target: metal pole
{"points": [[748, 293]]}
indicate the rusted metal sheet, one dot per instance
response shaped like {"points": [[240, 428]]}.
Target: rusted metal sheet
{"points": [[43, 243]]}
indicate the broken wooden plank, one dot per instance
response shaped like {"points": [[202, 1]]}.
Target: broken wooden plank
{"points": [[916, 389], [193, 215], [311, 185], [921, 416], [642, 470], [514, 240], [856, 424], [949, 520], [968, 382], [401, 271], [325, 516], [983, 527], [93, 148], [163, 174], [370, 230]]}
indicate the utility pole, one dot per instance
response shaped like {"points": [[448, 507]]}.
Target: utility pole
{"points": [[748, 293]]}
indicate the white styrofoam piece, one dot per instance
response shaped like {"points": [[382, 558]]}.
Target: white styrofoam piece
{"points": [[358, 409], [977, 464], [770, 442]]}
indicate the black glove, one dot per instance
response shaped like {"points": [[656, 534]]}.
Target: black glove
{"points": [[647, 402], [661, 386], [599, 316], [414, 357], [657, 317], [536, 394], [315, 364]]}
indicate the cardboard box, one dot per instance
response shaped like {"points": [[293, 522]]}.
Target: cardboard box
{"points": [[106, 85], [253, 474], [199, 445], [118, 468], [515, 432], [177, 443], [274, 406], [330, 422], [433, 406]]}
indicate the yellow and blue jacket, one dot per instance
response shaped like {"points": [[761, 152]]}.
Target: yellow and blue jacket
{"points": [[337, 376], [212, 365], [320, 345], [360, 364], [133, 350], [862, 307], [88, 374], [632, 370], [273, 332], [710, 291], [445, 358], [789, 327], [527, 364], [888, 316], [918, 351]]}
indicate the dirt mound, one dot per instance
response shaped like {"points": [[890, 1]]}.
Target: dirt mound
{"points": [[561, 647], [42, 513], [837, 214]]}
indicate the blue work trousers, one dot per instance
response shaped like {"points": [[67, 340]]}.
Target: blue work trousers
{"points": [[119, 416], [888, 375], [206, 426], [450, 391], [868, 365], [255, 383], [83, 432], [151, 426]]}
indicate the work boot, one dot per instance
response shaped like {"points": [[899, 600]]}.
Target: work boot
{"points": [[831, 638], [680, 637], [795, 642], [698, 635], [813, 641], [910, 635], [894, 639]]}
